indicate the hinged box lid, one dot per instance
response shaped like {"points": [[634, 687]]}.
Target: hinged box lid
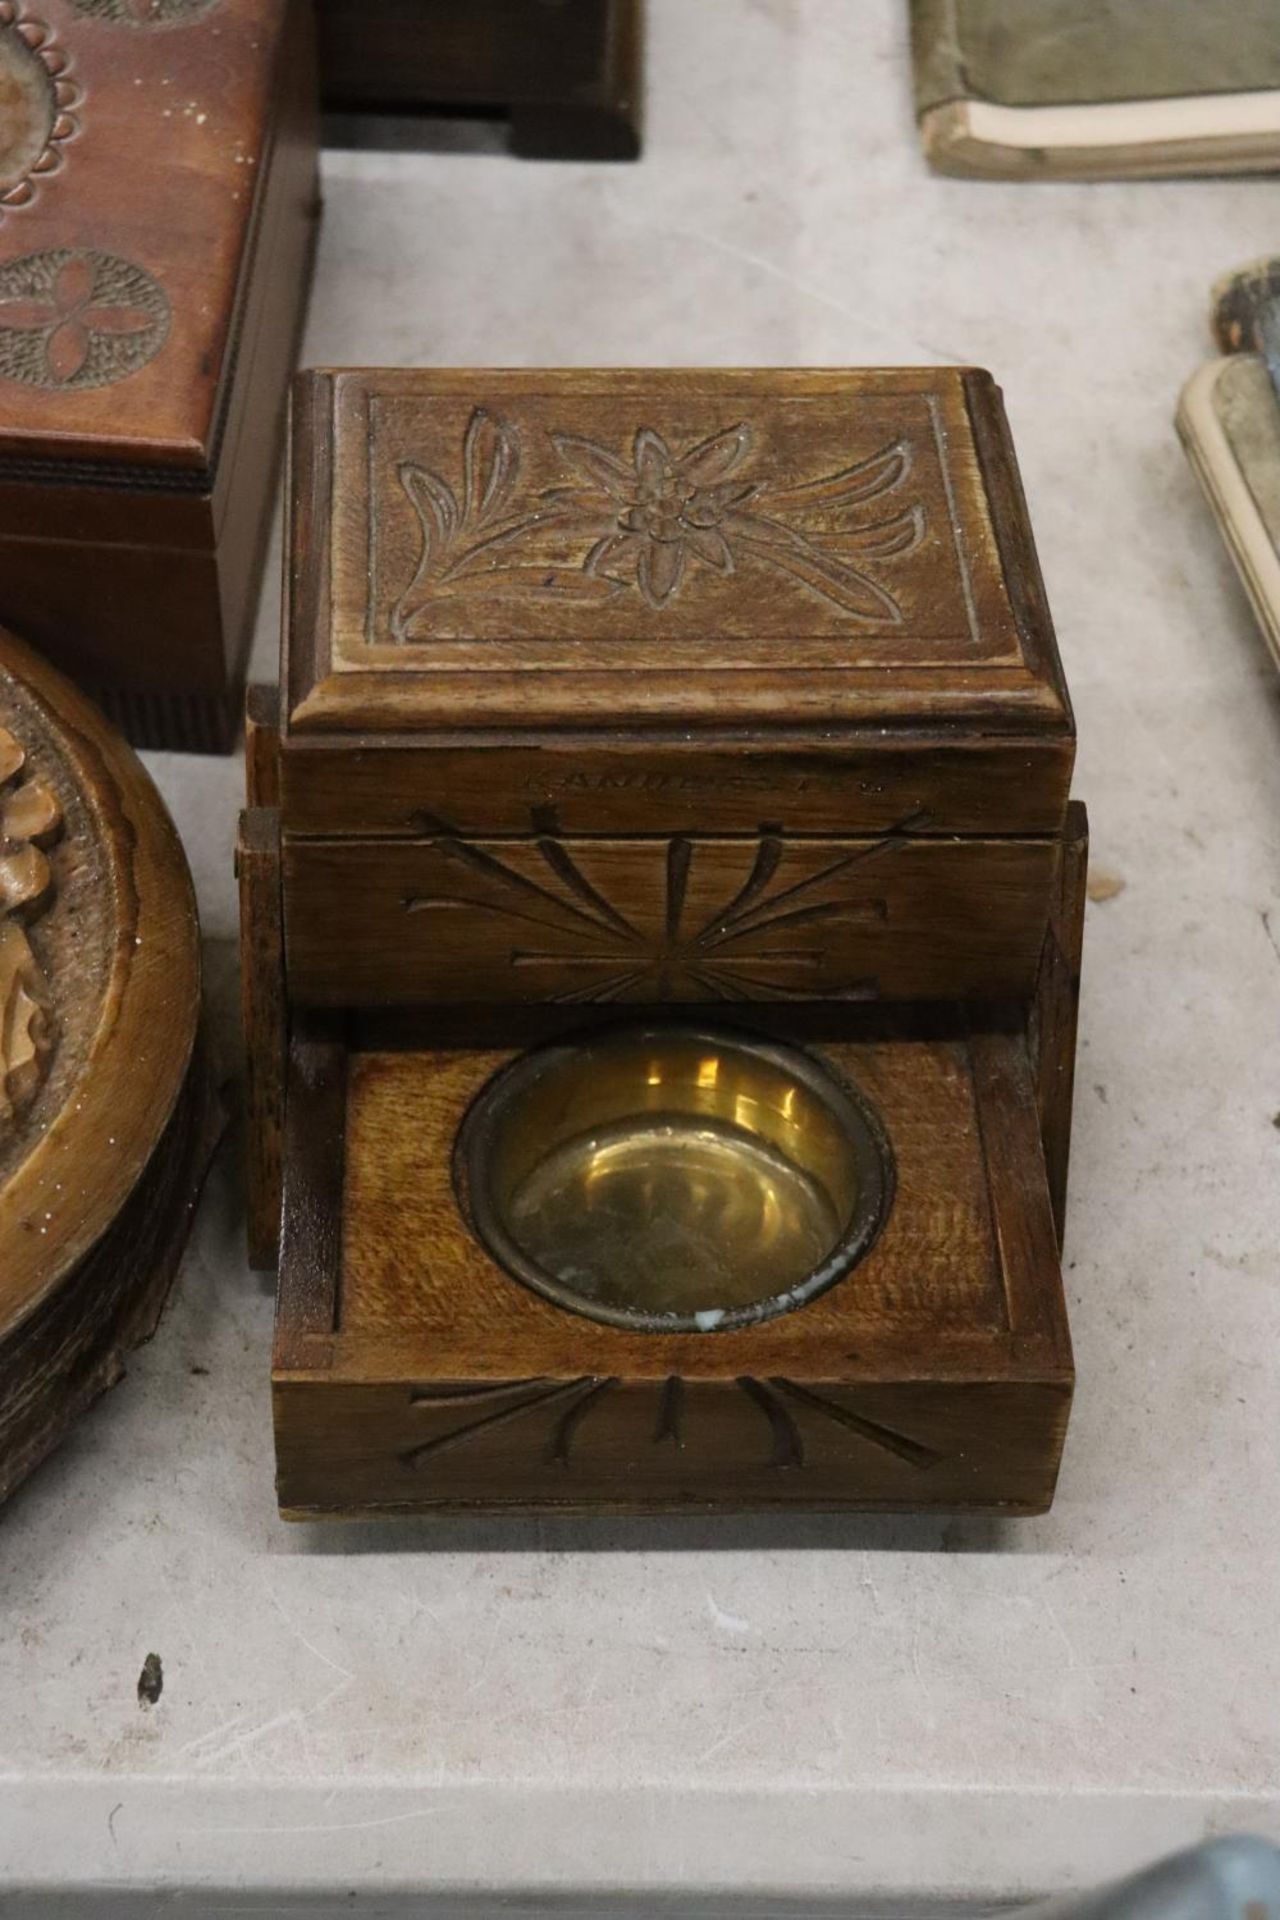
{"points": [[837, 565]]}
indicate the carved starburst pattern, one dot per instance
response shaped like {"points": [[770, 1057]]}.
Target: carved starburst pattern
{"points": [[37, 101], [30, 820], [563, 1408], [768, 937], [75, 318], [646, 521]]}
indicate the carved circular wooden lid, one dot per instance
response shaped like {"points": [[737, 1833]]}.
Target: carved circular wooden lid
{"points": [[99, 977]]}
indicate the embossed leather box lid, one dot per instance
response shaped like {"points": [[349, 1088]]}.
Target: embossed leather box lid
{"points": [[134, 135], [701, 548]]}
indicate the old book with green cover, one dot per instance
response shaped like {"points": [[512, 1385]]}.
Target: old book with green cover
{"points": [[1229, 422], [1095, 89]]}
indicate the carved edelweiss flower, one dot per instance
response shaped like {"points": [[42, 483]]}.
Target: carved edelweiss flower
{"points": [[670, 508], [641, 525], [666, 509], [30, 819]]}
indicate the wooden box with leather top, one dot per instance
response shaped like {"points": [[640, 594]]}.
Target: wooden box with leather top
{"points": [[662, 905], [157, 209]]}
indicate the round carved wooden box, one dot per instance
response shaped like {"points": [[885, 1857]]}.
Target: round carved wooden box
{"points": [[105, 1116]]}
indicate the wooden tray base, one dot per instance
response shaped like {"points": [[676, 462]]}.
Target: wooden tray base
{"points": [[412, 1375]]}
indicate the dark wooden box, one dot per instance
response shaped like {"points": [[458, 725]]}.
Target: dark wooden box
{"points": [[616, 691], [565, 73], [157, 213]]}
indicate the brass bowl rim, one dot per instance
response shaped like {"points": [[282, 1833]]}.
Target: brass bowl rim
{"points": [[858, 1119]]}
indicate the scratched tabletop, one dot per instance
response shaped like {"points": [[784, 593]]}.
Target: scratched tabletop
{"points": [[862, 1713]]}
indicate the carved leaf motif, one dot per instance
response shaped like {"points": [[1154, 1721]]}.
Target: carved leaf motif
{"points": [[491, 459], [648, 523], [460, 535], [844, 586], [30, 819], [867, 479], [596, 465], [435, 503], [901, 534], [714, 459]]}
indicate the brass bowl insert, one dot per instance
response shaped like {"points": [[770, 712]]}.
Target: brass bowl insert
{"points": [[673, 1179]]}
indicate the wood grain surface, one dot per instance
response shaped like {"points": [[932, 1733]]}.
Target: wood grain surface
{"points": [[390, 786], [1054, 1012], [561, 919], [264, 1019]]}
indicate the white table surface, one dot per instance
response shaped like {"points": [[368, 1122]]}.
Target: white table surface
{"points": [[880, 1709]]}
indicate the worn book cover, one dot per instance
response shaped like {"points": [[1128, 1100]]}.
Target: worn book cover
{"points": [[1097, 88], [1229, 422]]}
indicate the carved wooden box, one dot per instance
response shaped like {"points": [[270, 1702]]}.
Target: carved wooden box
{"points": [[687, 697], [157, 208], [107, 1119], [742, 684]]}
